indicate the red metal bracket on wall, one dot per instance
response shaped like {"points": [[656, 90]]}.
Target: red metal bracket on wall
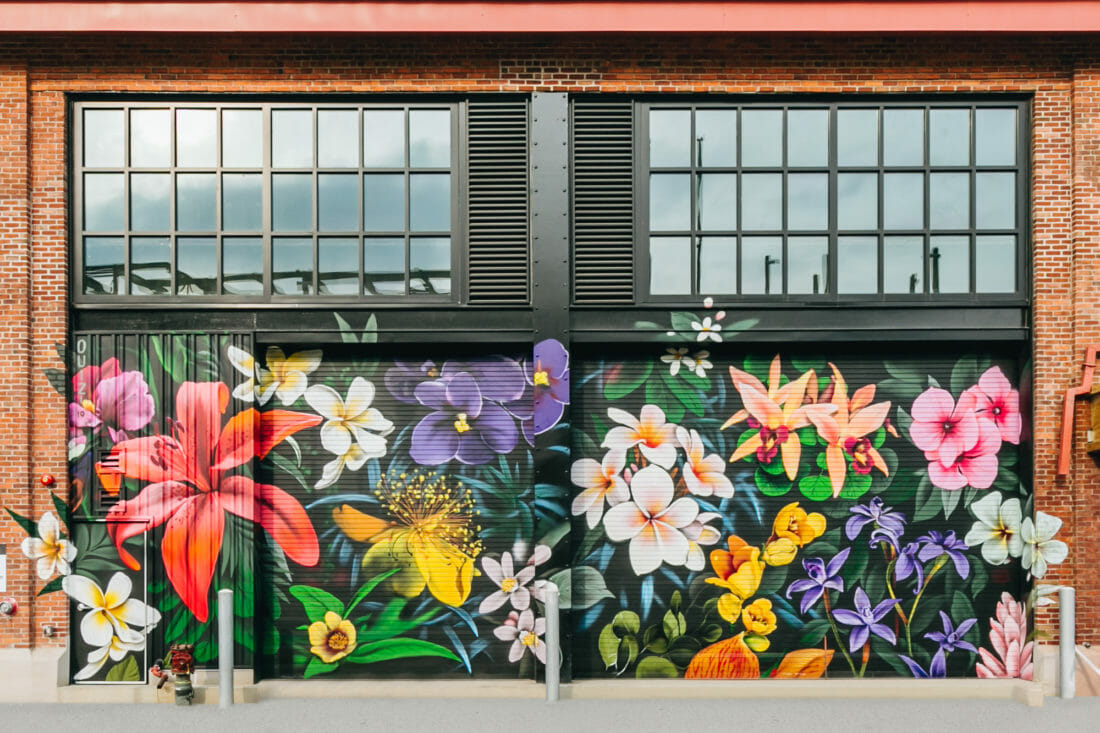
{"points": [[1065, 447]]}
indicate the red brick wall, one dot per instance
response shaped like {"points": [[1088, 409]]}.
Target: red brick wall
{"points": [[1063, 75]]}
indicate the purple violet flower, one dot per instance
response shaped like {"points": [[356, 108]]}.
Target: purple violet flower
{"points": [[549, 378], [951, 638], [822, 576], [889, 525], [937, 669], [907, 564], [865, 620], [464, 425], [936, 544], [401, 379]]}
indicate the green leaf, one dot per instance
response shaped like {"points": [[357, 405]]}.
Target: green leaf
{"points": [[693, 379], [627, 653], [681, 323], [732, 329], [674, 625], [772, 580], [961, 608], [904, 420], [757, 367], [711, 633], [62, 509], [814, 631], [271, 640], [28, 526], [903, 372], [284, 464], [687, 396], [855, 486], [656, 667], [966, 372], [581, 587], [555, 535], [370, 331], [805, 365], [926, 503], [317, 602], [346, 334], [389, 622], [57, 380], [316, 667], [675, 601], [1006, 479], [125, 671], [889, 655], [626, 622], [979, 578], [622, 379], [770, 485], [816, 488], [50, 587], [950, 501], [381, 651], [366, 588], [608, 646], [901, 389]]}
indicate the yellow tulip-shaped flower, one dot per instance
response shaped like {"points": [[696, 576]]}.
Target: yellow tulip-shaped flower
{"points": [[332, 639], [739, 570], [780, 551], [793, 523], [758, 617], [729, 607]]}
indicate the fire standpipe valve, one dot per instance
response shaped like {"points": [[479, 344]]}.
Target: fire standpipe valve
{"points": [[8, 606], [181, 663]]}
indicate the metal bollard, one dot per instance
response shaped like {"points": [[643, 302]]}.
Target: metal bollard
{"points": [[225, 648], [1067, 647], [553, 643]]}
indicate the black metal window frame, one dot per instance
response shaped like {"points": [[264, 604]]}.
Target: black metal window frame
{"points": [[458, 195], [642, 170]]}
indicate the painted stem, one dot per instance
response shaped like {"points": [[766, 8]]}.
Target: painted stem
{"points": [[866, 656], [940, 562], [836, 633], [897, 606]]}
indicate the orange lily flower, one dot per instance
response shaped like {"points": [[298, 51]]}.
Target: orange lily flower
{"points": [[845, 429], [807, 664], [727, 659], [189, 492]]}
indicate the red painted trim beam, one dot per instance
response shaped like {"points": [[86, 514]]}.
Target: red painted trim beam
{"points": [[503, 16]]}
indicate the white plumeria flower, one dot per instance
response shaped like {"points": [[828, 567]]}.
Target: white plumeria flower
{"points": [[997, 529], [246, 364], [707, 330], [675, 358], [350, 421], [111, 612], [600, 481], [702, 363], [513, 585], [286, 377], [703, 476], [115, 650], [353, 460], [1041, 595], [524, 631], [1040, 547], [51, 553], [655, 438], [652, 521], [699, 535]]}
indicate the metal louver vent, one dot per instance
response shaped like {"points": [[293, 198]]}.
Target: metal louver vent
{"points": [[603, 202], [498, 201]]}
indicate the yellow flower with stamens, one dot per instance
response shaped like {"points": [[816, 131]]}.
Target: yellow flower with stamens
{"points": [[793, 523], [332, 639], [758, 617]]}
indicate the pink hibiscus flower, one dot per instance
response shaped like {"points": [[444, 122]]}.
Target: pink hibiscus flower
{"points": [[941, 428], [976, 467], [996, 400]]}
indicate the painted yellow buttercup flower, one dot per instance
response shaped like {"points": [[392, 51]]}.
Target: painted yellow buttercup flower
{"points": [[729, 607], [796, 525], [758, 617], [781, 551], [332, 639], [739, 570]]}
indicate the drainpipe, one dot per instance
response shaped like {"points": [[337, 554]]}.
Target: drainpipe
{"points": [[1065, 447], [553, 642], [1067, 632]]}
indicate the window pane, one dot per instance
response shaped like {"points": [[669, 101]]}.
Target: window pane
{"points": [[669, 265], [717, 196], [903, 265], [384, 138], [949, 136], [718, 265], [808, 265], [857, 265], [430, 202], [150, 207], [995, 200], [150, 137], [807, 137], [430, 138], [291, 138], [761, 201], [903, 201], [949, 201], [762, 137], [197, 137], [338, 138], [338, 266], [384, 202], [857, 137], [903, 136], [292, 265], [430, 265], [669, 137], [292, 202], [669, 202], [150, 266], [761, 265], [995, 136], [338, 202], [808, 201], [242, 138], [384, 266], [196, 266], [242, 201], [857, 200], [949, 264], [104, 266], [196, 202], [103, 144], [716, 137], [995, 266], [242, 266], [103, 206]]}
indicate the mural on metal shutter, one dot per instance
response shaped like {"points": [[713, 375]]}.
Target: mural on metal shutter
{"points": [[783, 515], [373, 516]]}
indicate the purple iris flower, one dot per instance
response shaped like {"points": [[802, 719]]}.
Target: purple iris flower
{"points": [[907, 564], [951, 638], [937, 669], [402, 379], [889, 525], [865, 620], [936, 544], [464, 425], [549, 378], [822, 576]]}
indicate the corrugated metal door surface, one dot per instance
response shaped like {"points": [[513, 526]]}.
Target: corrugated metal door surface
{"points": [[797, 514]]}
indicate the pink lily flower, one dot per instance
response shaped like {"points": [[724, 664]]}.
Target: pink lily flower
{"points": [[996, 400], [1007, 635], [976, 467], [941, 428]]}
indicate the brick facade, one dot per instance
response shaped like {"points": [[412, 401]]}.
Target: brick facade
{"points": [[36, 74]]}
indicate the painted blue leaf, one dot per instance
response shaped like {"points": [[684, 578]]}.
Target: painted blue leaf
{"points": [[560, 449], [605, 556], [459, 648], [667, 572], [647, 596], [591, 616], [478, 646], [467, 619]]}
